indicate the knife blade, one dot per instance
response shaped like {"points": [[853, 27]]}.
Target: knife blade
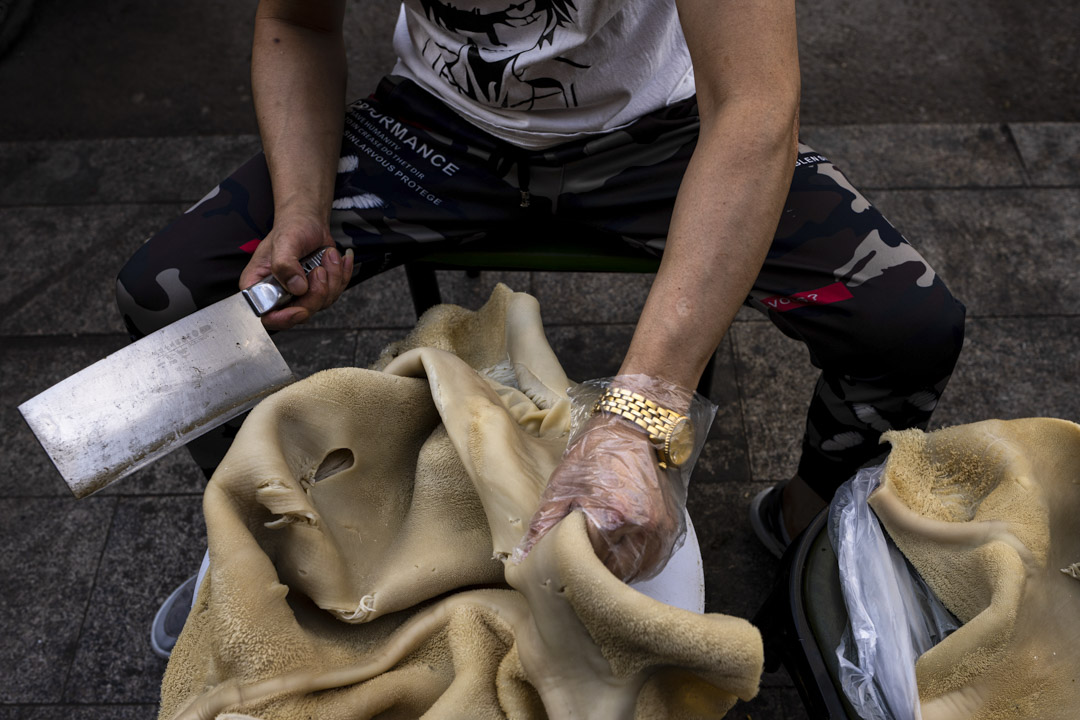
{"points": [[162, 391]]}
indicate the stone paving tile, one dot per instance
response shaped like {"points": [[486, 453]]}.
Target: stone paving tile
{"points": [[1002, 252], [167, 73], [1015, 368], [371, 343], [62, 278], [591, 297], [48, 291], [739, 574], [126, 65], [739, 571], [52, 547], [155, 543], [30, 366], [919, 156], [1050, 151], [82, 712], [120, 170], [370, 55], [174, 474], [775, 382], [725, 457], [308, 351], [588, 352], [1009, 368], [458, 288], [184, 169], [948, 62], [381, 302]]}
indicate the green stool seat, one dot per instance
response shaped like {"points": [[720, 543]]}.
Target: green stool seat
{"points": [[550, 254]]}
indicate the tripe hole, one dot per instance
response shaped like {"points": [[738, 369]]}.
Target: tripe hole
{"points": [[335, 462]]}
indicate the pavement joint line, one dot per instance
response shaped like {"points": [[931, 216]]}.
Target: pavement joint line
{"points": [[1007, 128], [1023, 316], [77, 704], [71, 337], [741, 400], [89, 600], [963, 188], [183, 203], [154, 496]]}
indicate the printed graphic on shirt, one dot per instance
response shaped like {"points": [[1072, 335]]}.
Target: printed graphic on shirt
{"points": [[496, 63]]}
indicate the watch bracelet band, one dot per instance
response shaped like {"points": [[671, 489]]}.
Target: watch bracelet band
{"points": [[656, 420]]}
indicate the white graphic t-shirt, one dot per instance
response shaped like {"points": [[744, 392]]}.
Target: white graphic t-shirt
{"points": [[541, 72]]}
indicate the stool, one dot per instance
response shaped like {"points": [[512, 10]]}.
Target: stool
{"points": [[549, 254]]}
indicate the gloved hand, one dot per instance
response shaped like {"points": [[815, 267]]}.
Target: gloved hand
{"points": [[611, 472]]}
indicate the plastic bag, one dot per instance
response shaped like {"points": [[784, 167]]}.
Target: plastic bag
{"points": [[893, 617]]}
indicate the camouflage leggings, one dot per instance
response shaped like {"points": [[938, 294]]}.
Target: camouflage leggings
{"points": [[414, 177]]}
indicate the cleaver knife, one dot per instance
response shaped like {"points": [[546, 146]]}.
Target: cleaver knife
{"points": [[162, 391]]}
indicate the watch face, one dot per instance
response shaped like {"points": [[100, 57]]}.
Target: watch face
{"points": [[681, 445]]}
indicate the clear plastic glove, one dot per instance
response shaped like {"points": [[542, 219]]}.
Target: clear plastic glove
{"points": [[635, 509], [293, 237]]}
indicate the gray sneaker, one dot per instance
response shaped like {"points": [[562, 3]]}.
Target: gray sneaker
{"points": [[171, 616]]}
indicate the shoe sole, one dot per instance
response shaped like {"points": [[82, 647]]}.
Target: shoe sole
{"points": [[159, 618]]}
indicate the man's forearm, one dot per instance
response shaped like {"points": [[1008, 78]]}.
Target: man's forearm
{"points": [[724, 220], [298, 81]]}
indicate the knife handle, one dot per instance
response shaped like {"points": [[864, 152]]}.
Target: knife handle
{"points": [[267, 294]]}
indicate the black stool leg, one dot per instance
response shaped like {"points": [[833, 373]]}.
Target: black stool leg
{"points": [[423, 286]]}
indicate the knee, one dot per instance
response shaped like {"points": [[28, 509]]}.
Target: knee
{"points": [[945, 334], [920, 343], [150, 292], [935, 340]]}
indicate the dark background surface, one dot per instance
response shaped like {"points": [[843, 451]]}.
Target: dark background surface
{"points": [[147, 68], [959, 120]]}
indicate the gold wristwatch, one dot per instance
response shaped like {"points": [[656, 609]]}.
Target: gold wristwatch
{"points": [[673, 431]]}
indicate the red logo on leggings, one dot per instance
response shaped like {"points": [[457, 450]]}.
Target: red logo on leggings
{"points": [[822, 296]]}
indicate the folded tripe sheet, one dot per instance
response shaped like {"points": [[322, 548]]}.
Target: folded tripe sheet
{"points": [[358, 529], [989, 514]]}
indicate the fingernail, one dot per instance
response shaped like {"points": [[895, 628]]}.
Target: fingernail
{"points": [[296, 285], [333, 256]]}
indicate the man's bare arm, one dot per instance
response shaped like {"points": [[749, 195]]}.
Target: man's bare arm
{"points": [[726, 213], [746, 66], [298, 74]]}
